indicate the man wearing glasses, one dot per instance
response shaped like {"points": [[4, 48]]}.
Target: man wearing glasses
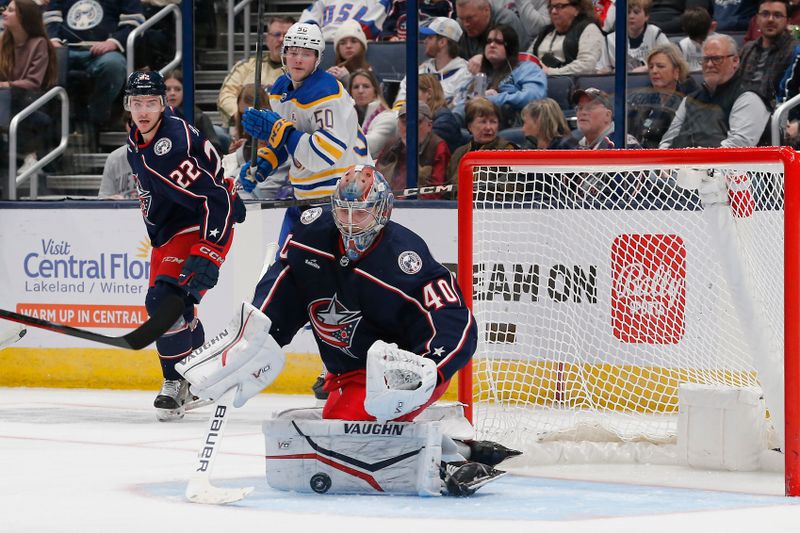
{"points": [[723, 112], [243, 72], [764, 60]]}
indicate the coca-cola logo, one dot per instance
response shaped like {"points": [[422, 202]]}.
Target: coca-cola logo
{"points": [[648, 291]]}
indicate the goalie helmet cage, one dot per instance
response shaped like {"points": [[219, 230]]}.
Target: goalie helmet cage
{"points": [[601, 280]]}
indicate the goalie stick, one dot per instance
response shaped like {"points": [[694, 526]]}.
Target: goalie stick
{"points": [[137, 339], [199, 489], [400, 193]]}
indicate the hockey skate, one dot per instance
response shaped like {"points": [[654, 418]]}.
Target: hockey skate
{"points": [[171, 400], [463, 478], [488, 452], [319, 392]]}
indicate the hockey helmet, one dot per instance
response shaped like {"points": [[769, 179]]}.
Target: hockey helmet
{"points": [[304, 35], [145, 83], [361, 204]]}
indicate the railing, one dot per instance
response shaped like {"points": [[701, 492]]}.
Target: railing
{"points": [[13, 179], [178, 57], [232, 12], [779, 115]]}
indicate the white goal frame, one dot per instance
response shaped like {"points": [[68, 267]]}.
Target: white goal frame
{"points": [[784, 156]]}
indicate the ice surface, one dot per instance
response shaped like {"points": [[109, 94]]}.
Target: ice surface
{"points": [[98, 461]]}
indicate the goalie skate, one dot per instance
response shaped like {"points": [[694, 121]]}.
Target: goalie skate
{"points": [[463, 478], [170, 403], [488, 452]]}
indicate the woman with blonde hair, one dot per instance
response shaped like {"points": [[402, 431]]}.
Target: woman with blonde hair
{"points": [[445, 124], [545, 127], [652, 108]]}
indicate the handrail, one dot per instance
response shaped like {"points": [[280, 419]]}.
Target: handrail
{"points": [[13, 179], [778, 115], [178, 57], [232, 12]]}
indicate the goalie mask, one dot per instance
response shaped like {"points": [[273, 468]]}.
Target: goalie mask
{"points": [[361, 205], [303, 35], [141, 83]]}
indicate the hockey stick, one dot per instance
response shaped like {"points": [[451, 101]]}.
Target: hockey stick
{"points": [[199, 489], [257, 81], [400, 193], [137, 339]]}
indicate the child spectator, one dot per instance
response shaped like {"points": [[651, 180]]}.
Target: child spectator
{"points": [[697, 24], [350, 47], [642, 37]]}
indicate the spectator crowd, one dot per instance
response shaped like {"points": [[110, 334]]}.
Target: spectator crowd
{"points": [[711, 73]]}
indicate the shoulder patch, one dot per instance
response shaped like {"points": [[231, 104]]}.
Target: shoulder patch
{"points": [[310, 215], [410, 262], [162, 146]]}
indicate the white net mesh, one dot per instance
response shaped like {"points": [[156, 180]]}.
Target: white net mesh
{"points": [[599, 290]]}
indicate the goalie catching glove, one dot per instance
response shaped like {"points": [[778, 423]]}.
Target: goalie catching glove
{"points": [[244, 356], [398, 381]]}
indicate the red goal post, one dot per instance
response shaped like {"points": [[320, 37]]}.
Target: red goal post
{"points": [[588, 267]]}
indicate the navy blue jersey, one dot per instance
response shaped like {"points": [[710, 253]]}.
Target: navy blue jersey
{"points": [[396, 293], [180, 183]]}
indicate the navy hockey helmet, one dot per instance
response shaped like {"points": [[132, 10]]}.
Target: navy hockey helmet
{"points": [[145, 83], [361, 204]]}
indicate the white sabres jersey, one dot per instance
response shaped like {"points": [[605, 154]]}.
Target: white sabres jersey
{"points": [[325, 113]]}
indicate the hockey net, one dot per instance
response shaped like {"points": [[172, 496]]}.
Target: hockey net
{"points": [[602, 280]]}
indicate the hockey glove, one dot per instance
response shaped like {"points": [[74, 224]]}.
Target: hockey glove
{"points": [[268, 126], [267, 161], [239, 209], [201, 271]]}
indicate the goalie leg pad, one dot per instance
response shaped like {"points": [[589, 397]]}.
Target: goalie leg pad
{"points": [[343, 457], [243, 355]]}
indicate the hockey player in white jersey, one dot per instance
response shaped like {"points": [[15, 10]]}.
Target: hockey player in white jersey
{"points": [[313, 120]]}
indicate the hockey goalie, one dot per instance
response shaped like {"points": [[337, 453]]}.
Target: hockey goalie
{"points": [[392, 329]]}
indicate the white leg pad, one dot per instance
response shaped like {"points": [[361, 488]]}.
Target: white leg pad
{"points": [[343, 457]]}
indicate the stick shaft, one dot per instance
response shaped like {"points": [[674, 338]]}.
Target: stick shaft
{"points": [[257, 81], [143, 336]]}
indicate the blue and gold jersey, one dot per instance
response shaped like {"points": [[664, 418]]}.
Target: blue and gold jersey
{"points": [[332, 139]]}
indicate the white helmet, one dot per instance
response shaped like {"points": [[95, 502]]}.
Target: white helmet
{"points": [[304, 35]]}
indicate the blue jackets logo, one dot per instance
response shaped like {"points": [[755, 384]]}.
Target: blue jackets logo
{"points": [[84, 15], [333, 323]]}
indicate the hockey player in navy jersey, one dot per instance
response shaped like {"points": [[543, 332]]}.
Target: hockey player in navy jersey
{"points": [[189, 210], [389, 320], [313, 120]]}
